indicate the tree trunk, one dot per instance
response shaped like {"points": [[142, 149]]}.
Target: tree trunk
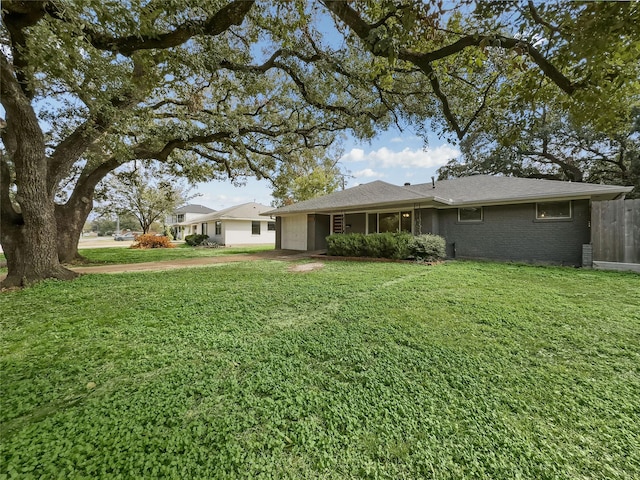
{"points": [[29, 241], [70, 219], [31, 255], [28, 234]]}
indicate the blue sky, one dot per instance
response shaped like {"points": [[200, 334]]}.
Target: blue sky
{"points": [[393, 156]]}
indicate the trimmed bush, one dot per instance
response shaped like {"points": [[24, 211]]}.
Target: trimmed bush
{"points": [[150, 240], [195, 239], [378, 245], [428, 248]]}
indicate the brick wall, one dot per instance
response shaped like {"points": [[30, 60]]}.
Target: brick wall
{"points": [[511, 232]]}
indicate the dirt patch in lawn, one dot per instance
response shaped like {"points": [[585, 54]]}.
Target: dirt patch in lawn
{"points": [[282, 255], [306, 267]]}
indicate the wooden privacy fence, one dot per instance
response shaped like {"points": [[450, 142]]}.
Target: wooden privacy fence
{"points": [[615, 231]]}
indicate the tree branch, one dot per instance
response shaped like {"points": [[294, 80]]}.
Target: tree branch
{"points": [[481, 107], [536, 16], [232, 14], [575, 173], [17, 16], [424, 60], [75, 144]]}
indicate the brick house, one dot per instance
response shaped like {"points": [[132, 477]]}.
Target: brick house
{"points": [[501, 218]]}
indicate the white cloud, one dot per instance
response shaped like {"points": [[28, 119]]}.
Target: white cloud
{"points": [[405, 139], [367, 173], [354, 155], [407, 158]]}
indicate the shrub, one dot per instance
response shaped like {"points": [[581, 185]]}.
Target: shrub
{"points": [[150, 240], [379, 245], [348, 245], [195, 239], [428, 248]]}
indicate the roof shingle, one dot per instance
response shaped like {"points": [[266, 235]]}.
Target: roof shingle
{"points": [[477, 189]]}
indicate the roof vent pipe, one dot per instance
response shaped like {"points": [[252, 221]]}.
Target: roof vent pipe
{"points": [[433, 182]]}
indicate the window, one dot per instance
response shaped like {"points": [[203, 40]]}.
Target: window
{"points": [[373, 223], [255, 227], [470, 214], [271, 226], [181, 217], [205, 229], [218, 228], [405, 222], [389, 222], [553, 210]]}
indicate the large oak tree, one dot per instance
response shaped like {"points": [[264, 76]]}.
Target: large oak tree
{"points": [[221, 89], [88, 86]]}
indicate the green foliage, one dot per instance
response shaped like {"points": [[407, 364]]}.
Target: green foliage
{"points": [[105, 226], [357, 370], [147, 192], [547, 142], [378, 245], [428, 247], [152, 241], [308, 178], [195, 239]]}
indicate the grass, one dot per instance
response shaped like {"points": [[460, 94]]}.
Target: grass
{"points": [[106, 256], [119, 255], [357, 370]]}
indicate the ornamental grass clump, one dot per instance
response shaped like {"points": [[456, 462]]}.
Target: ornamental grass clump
{"points": [[149, 240]]}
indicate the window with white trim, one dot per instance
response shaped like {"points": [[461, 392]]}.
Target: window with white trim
{"points": [[255, 227], [470, 214], [553, 210]]}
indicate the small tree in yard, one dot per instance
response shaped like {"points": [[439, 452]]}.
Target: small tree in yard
{"points": [[146, 192]]}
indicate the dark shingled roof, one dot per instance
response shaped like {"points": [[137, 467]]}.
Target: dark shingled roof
{"points": [[477, 189], [490, 189], [192, 208]]}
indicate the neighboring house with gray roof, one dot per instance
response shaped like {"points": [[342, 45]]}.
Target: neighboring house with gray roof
{"points": [[183, 214], [503, 218], [237, 225]]}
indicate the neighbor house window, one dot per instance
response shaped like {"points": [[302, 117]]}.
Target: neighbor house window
{"points": [[255, 228], [271, 226], [181, 217], [218, 228], [470, 214], [205, 229], [553, 210]]}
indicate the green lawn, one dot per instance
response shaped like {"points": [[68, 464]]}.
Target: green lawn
{"points": [[120, 255], [104, 256], [357, 370]]}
